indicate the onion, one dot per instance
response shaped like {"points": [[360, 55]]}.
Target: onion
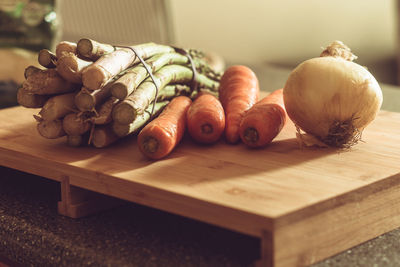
{"points": [[332, 98]]}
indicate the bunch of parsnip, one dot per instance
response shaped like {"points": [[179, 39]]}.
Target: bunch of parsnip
{"points": [[96, 93]]}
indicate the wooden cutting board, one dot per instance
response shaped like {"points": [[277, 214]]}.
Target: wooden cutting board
{"points": [[305, 204]]}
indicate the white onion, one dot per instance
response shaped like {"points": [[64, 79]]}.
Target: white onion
{"points": [[332, 98]]}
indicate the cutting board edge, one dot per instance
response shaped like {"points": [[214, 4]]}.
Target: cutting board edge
{"points": [[352, 196], [327, 233], [140, 193]]}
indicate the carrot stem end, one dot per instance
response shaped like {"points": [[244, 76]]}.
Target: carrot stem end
{"points": [[251, 135], [206, 128], [150, 144]]}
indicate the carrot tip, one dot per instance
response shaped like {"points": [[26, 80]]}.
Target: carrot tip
{"points": [[206, 128], [150, 144], [251, 135]]}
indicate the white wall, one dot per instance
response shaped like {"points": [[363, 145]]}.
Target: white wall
{"points": [[285, 31]]}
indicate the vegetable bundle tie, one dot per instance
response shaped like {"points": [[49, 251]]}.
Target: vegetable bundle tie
{"points": [[193, 84], [148, 71], [181, 51]]}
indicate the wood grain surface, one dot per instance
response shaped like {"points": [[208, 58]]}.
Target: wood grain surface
{"points": [[282, 189]]}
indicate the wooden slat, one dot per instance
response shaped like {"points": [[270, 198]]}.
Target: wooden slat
{"points": [[77, 202]]}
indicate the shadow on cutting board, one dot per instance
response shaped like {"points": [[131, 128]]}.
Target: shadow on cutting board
{"points": [[198, 164]]}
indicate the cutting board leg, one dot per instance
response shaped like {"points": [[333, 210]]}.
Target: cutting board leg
{"points": [[78, 202], [267, 253]]}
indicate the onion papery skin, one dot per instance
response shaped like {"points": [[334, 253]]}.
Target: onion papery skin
{"points": [[324, 91]]}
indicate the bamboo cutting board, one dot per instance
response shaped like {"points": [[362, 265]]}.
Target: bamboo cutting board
{"points": [[304, 204]]}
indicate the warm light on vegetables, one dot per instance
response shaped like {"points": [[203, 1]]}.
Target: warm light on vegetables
{"points": [[332, 98]]}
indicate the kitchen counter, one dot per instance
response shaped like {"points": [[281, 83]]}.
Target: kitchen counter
{"points": [[32, 233]]}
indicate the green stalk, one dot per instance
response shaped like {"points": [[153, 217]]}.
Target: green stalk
{"points": [[50, 129], [30, 70], [103, 136], [47, 82], [29, 100], [91, 49], [194, 94], [132, 78], [126, 111], [47, 59], [109, 65], [202, 66], [56, 107], [128, 82], [171, 91], [104, 111], [139, 122], [87, 100]]}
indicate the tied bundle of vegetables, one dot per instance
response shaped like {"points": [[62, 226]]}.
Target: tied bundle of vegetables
{"points": [[331, 98], [98, 93]]}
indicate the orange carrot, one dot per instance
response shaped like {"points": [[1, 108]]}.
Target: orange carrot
{"points": [[159, 137], [238, 92], [206, 119], [263, 122]]}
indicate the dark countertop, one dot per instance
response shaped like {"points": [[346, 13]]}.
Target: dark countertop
{"points": [[33, 234]]}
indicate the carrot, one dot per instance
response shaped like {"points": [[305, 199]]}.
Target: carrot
{"points": [[263, 122], [205, 119], [238, 92], [159, 137]]}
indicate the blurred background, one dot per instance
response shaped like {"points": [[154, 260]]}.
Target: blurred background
{"points": [[286, 32], [270, 36], [282, 33]]}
